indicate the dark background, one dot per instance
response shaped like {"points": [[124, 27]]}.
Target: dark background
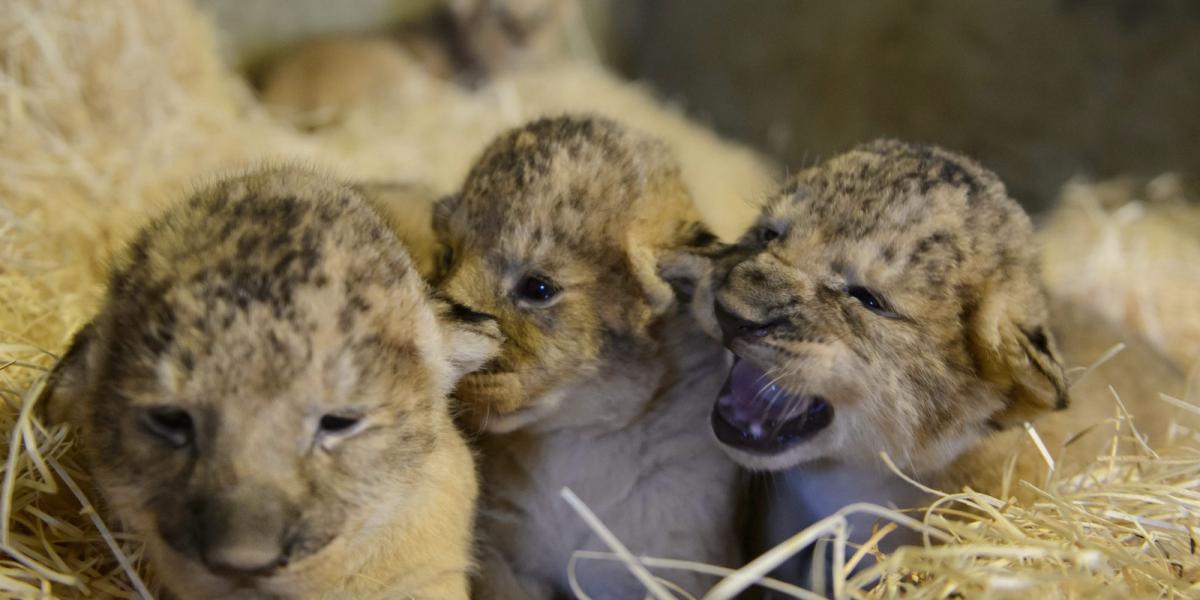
{"points": [[1039, 90]]}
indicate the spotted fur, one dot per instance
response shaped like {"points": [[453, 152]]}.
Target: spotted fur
{"points": [[600, 388], [262, 397], [964, 346], [959, 350]]}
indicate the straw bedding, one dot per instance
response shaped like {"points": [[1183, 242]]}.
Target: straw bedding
{"points": [[110, 109]]}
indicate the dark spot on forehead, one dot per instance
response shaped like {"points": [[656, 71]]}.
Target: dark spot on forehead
{"points": [[511, 164], [216, 204], [187, 360], [279, 239], [938, 240], [933, 171], [159, 330], [354, 306], [377, 355], [248, 242]]}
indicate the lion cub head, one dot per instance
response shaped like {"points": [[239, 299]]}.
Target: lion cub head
{"points": [[265, 386], [567, 230], [887, 300]]}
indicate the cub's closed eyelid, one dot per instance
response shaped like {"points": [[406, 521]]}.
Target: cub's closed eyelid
{"points": [[339, 423], [872, 301], [338, 426], [765, 233], [171, 424]]}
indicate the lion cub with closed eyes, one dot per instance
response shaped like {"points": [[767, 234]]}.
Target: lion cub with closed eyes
{"points": [[579, 237], [889, 300], [263, 399]]}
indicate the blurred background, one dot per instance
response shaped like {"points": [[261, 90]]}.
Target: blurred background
{"points": [[1039, 90]]}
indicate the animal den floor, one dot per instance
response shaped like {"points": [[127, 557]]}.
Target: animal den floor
{"points": [[109, 110]]}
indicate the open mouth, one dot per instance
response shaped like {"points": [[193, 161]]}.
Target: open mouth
{"points": [[755, 414]]}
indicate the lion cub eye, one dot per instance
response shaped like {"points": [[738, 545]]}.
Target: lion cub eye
{"points": [[766, 235], [172, 425], [869, 299], [338, 424], [536, 290]]}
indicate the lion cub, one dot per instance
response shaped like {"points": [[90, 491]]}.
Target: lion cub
{"points": [[889, 300], [263, 398], [577, 235]]}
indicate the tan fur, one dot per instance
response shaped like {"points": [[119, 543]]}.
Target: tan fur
{"points": [[317, 83], [1130, 248], [408, 210], [600, 388], [965, 355], [234, 327], [320, 81]]}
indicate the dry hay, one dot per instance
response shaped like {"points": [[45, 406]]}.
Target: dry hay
{"points": [[107, 109], [1125, 527]]}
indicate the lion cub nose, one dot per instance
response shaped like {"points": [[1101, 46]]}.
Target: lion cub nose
{"points": [[250, 557], [243, 535], [736, 326]]}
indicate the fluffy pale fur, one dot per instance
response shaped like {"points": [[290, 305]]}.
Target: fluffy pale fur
{"points": [[957, 353], [1130, 248], [319, 81], [602, 385], [263, 399]]}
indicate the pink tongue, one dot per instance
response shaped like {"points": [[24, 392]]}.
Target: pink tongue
{"points": [[754, 403]]}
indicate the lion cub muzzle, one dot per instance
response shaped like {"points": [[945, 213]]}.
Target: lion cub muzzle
{"points": [[250, 531], [755, 412]]}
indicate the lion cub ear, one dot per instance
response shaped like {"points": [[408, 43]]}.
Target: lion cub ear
{"points": [[677, 270], [471, 338], [1012, 344], [62, 396]]}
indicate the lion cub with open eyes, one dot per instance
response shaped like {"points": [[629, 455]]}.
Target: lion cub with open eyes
{"points": [[578, 235], [889, 301], [263, 398]]}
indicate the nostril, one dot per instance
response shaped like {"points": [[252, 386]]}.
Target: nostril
{"points": [[245, 559]]}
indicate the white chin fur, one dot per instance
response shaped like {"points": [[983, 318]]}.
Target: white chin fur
{"points": [[806, 451]]}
